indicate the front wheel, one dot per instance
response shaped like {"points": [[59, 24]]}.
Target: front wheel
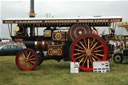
{"points": [[26, 59], [118, 58]]}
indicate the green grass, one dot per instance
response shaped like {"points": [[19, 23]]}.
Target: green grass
{"points": [[54, 73]]}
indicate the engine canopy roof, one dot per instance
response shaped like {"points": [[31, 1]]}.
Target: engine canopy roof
{"points": [[93, 21]]}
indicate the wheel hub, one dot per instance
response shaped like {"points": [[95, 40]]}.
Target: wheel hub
{"points": [[26, 60], [80, 32], [88, 52]]}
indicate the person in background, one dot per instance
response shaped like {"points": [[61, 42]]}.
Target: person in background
{"points": [[95, 31], [103, 32]]}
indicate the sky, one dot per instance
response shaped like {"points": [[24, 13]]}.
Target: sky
{"points": [[62, 8]]}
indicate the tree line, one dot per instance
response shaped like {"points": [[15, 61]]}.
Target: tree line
{"points": [[4, 39]]}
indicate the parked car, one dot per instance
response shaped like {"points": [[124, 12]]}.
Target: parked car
{"points": [[10, 49]]}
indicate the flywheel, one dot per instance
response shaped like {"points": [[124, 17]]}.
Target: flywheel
{"points": [[78, 30]]}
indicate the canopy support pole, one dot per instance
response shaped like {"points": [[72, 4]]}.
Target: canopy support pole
{"points": [[9, 30], [37, 31]]}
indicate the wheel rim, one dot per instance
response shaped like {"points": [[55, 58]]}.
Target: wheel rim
{"points": [[87, 49], [117, 58], [26, 59]]}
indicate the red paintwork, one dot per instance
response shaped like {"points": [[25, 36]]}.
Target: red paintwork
{"points": [[18, 61]]}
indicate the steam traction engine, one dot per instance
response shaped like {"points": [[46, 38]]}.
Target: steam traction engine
{"points": [[76, 42]]}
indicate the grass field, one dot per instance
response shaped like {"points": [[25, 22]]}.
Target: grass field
{"points": [[54, 73]]}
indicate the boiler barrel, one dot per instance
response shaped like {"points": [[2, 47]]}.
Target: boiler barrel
{"points": [[38, 45]]}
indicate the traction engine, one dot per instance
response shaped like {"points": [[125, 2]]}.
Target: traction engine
{"points": [[68, 39], [60, 38]]}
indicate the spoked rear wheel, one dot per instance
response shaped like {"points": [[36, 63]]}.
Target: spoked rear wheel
{"points": [[26, 59], [87, 49]]}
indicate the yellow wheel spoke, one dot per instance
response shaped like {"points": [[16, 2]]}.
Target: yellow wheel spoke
{"points": [[98, 51], [88, 43], [98, 47], [23, 55], [31, 56], [82, 45], [32, 59], [85, 42], [88, 63], [28, 54], [79, 46], [99, 54], [81, 60], [91, 61], [79, 50], [80, 56], [96, 57], [94, 45], [77, 54], [84, 61], [92, 42]]}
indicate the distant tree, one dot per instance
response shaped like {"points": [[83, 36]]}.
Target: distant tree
{"points": [[5, 39]]}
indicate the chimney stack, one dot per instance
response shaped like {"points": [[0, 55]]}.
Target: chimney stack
{"points": [[32, 13]]}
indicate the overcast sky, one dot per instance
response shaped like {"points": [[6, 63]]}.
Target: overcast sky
{"points": [[62, 8]]}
